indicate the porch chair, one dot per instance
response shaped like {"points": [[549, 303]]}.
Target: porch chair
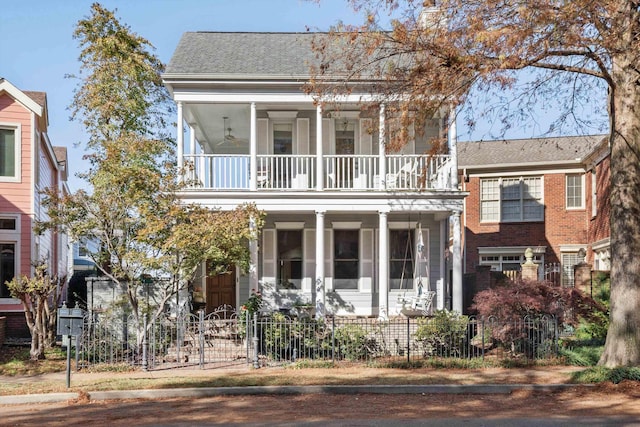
{"points": [[403, 178]]}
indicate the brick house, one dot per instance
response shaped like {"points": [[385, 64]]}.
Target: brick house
{"points": [[550, 194], [28, 165]]}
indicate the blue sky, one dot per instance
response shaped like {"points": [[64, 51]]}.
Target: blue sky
{"points": [[46, 51]]}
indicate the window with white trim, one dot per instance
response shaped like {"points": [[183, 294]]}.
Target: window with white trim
{"points": [[290, 258], [401, 259], [9, 153], [511, 199], [507, 261], [569, 260], [9, 240], [346, 258], [574, 191]]}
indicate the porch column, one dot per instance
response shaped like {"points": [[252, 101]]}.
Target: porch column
{"points": [[456, 257], [319, 168], [253, 254], [442, 281], [180, 141], [253, 151], [192, 143], [453, 150], [383, 266], [320, 284], [382, 143]]}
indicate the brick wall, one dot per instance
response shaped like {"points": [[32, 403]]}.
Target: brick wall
{"points": [[599, 227], [16, 325], [561, 226]]}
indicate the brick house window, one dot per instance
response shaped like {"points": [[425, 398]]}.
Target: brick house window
{"points": [[511, 199], [575, 191]]}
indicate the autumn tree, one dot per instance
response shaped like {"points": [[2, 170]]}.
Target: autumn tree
{"points": [[40, 296], [131, 209], [426, 55]]}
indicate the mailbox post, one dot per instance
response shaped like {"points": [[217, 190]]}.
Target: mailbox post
{"points": [[70, 322]]}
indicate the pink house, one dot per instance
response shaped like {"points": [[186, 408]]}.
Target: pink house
{"points": [[28, 165]]}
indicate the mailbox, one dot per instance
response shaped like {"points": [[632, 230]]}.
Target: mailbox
{"points": [[70, 321]]}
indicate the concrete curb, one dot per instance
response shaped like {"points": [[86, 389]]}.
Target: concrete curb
{"points": [[265, 390]]}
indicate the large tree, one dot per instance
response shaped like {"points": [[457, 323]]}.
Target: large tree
{"points": [[130, 209], [574, 52]]}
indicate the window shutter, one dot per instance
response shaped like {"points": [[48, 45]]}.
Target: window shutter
{"points": [[309, 272], [366, 260], [366, 139], [262, 136], [269, 256], [302, 136], [328, 145], [328, 259]]}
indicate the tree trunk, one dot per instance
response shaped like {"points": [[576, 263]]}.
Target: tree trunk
{"points": [[622, 347]]}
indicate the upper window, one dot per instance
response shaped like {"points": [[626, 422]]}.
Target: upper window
{"points": [[511, 199], [574, 191], [401, 259], [289, 259], [346, 257], [283, 138], [9, 153]]}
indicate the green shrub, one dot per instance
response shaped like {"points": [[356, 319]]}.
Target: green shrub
{"points": [[442, 335], [600, 374], [351, 342]]}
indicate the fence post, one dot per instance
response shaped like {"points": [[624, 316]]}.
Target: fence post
{"points": [[256, 362], [408, 341], [333, 339], [482, 335], [145, 344], [201, 336]]}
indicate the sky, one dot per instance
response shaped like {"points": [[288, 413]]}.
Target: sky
{"points": [[37, 50]]}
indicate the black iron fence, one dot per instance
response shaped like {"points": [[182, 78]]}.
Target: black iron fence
{"points": [[223, 338]]}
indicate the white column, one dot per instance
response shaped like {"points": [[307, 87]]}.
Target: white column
{"points": [[382, 158], [442, 281], [319, 163], [180, 140], [253, 150], [320, 283], [456, 257], [192, 142], [453, 148], [383, 266], [253, 254]]}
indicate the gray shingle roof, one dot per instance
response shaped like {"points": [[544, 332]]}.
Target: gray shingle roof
{"points": [[526, 151], [243, 54]]}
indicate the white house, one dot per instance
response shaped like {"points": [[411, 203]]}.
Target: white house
{"points": [[350, 228]]}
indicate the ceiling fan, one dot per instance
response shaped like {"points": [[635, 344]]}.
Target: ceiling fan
{"points": [[228, 137]]}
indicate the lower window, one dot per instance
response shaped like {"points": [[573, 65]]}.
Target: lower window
{"points": [[289, 259], [346, 258], [7, 267], [401, 259]]}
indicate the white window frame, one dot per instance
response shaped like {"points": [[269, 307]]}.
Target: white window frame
{"points": [[17, 128], [498, 254], [499, 199], [566, 189], [12, 237]]}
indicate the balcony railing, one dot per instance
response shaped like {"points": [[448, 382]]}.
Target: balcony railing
{"points": [[229, 172]]}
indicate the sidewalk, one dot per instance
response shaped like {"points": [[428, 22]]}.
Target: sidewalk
{"points": [[311, 381]]}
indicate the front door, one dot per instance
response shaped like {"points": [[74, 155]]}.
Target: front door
{"points": [[221, 290]]}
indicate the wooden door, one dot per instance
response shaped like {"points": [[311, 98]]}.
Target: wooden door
{"points": [[221, 290]]}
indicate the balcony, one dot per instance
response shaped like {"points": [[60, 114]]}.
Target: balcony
{"points": [[232, 172]]}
